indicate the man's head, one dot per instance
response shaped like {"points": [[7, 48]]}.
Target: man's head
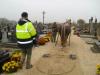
{"points": [[24, 15]]}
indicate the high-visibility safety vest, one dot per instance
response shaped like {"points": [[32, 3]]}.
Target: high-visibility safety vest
{"points": [[25, 33]]}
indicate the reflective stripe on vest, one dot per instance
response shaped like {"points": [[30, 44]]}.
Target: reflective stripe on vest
{"points": [[23, 30], [25, 42]]}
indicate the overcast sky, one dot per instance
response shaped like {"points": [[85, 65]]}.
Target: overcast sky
{"points": [[56, 10]]}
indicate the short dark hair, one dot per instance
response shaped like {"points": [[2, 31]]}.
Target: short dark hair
{"points": [[24, 14]]}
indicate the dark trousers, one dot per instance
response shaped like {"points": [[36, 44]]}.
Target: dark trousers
{"points": [[26, 56]]}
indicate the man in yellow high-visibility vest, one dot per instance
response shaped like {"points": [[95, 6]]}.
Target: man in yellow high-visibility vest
{"points": [[25, 34]]}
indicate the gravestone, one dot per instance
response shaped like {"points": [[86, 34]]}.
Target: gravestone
{"points": [[96, 47], [98, 32], [4, 37]]}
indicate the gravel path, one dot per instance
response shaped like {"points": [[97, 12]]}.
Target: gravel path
{"points": [[85, 63]]}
